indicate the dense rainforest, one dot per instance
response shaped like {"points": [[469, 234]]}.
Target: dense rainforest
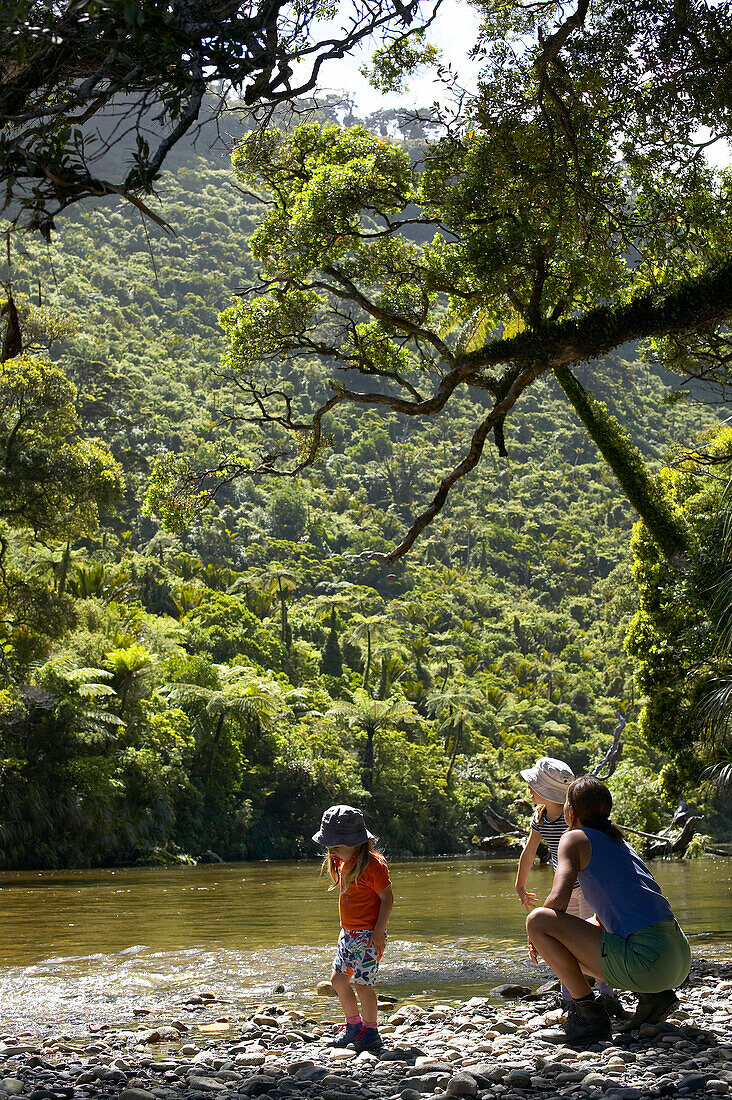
{"points": [[214, 689]]}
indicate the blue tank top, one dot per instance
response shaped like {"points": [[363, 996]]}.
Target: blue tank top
{"points": [[620, 888]]}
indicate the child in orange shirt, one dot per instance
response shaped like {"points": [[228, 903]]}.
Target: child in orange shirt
{"points": [[359, 870]]}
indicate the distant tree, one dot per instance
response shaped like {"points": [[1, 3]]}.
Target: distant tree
{"points": [[237, 693], [283, 582], [456, 710], [53, 480], [368, 629], [371, 716], [331, 662], [288, 514]]}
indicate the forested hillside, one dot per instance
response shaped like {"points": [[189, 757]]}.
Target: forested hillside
{"points": [[218, 688]]}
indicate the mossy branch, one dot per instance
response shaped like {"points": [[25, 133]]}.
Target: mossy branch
{"points": [[664, 521]]}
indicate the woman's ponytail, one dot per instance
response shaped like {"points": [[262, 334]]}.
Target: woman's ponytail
{"points": [[591, 803]]}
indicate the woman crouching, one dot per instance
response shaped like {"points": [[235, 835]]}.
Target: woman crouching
{"points": [[636, 943]]}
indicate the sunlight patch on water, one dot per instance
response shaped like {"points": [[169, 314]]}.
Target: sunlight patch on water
{"points": [[109, 987]]}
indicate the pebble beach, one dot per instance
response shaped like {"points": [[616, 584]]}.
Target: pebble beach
{"points": [[486, 1048]]}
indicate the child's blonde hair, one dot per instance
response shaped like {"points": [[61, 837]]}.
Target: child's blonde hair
{"points": [[331, 864], [541, 807]]}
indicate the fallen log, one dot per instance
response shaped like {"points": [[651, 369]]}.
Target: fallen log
{"points": [[611, 759], [499, 824], [670, 847]]}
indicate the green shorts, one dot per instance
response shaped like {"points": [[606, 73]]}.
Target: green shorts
{"points": [[648, 961]]}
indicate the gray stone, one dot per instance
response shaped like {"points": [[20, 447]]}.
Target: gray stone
{"points": [[257, 1086], [693, 1081], [430, 1067], [397, 1054], [410, 1094], [136, 1094], [314, 1074], [159, 1035], [517, 1080], [510, 991], [206, 1084], [425, 1083], [462, 1084], [334, 1081], [12, 1085], [494, 1074]]}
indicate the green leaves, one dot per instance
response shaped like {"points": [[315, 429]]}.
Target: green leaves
{"points": [[323, 181], [53, 479], [393, 63]]}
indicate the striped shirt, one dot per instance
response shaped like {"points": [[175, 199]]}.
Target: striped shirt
{"points": [[551, 832]]}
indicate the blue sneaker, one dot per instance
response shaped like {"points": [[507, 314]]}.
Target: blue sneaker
{"points": [[346, 1034], [368, 1038]]}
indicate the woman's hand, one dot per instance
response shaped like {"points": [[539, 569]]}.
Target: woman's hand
{"points": [[533, 954]]}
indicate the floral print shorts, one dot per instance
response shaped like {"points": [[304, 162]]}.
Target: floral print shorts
{"points": [[354, 956]]}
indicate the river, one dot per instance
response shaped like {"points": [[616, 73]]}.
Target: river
{"points": [[82, 947]]}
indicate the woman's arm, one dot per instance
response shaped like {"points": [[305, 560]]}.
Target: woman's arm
{"points": [[378, 936], [525, 863], [573, 855]]}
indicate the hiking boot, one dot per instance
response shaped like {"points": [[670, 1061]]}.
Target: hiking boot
{"points": [[368, 1038], [346, 1034], [652, 1008], [614, 1006], [586, 1022]]}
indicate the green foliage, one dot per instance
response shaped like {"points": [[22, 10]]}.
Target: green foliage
{"points": [[403, 57], [637, 798], [331, 662], [167, 692], [676, 633], [53, 479]]}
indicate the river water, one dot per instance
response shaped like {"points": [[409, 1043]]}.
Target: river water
{"points": [[88, 947]]}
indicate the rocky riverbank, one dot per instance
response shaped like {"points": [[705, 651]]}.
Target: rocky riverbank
{"points": [[475, 1049]]}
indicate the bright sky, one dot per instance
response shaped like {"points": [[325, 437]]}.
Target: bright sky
{"points": [[454, 31]]}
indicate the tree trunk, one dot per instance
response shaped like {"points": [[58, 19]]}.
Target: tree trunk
{"points": [[383, 679], [64, 571], [368, 761], [677, 847], [611, 759], [214, 746], [498, 823], [367, 667], [455, 746]]}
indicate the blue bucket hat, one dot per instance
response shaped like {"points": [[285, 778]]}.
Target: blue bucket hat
{"points": [[342, 825]]}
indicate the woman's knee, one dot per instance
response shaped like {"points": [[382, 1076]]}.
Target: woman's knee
{"points": [[536, 921]]}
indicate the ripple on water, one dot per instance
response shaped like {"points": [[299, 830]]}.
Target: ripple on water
{"points": [[111, 986]]}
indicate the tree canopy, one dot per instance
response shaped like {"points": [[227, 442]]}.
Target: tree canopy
{"points": [[94, 94], [567, 210]]}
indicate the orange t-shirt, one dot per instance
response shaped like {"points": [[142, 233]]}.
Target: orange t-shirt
{"points": [[359, 906]]}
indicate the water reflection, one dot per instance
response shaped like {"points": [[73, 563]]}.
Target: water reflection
{"points": [[92, 945]]}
